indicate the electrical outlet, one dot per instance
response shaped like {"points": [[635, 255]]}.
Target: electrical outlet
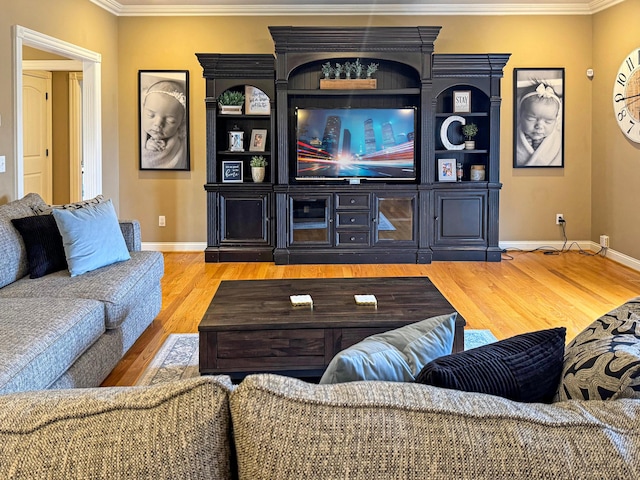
{"points": [[559, 218], [161, 221], [604, 241]]}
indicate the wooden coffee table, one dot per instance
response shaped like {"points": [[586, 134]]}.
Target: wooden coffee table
{"points": [[251, 326]]}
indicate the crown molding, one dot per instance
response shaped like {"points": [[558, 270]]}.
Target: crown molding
{"points": [[230, 9]]}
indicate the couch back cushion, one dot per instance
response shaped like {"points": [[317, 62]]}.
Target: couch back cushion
{"points": [[175, 430], [288, 429], [14, 263]]}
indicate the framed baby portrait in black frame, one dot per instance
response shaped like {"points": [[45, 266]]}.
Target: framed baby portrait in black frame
{"points": [[163, 119], [538, 117]]}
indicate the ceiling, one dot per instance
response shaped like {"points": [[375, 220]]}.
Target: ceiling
{"points": [[351, 7]]}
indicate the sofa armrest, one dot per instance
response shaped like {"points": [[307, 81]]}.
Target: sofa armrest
{"points": [[131, 233]]}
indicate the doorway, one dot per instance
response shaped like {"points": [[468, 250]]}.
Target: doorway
{"points": [[91, 141]]}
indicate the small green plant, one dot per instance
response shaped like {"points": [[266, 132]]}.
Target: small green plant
{"points": [[230, 97], [258, 161], [469, 130]]}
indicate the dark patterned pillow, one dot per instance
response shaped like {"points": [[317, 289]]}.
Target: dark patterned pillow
{"points": [[524, 368], [603, 361], [42, 239]]}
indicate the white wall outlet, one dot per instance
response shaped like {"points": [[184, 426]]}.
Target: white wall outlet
{"points": [[162, 221], [604, 241], [3, 164], [559, 217]]}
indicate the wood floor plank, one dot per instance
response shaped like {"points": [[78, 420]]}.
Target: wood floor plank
{"points": [[529, 292]]}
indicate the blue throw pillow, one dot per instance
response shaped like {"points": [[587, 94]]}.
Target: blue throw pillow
{"points": [[91, 237], [524, 368], [397, 355]]}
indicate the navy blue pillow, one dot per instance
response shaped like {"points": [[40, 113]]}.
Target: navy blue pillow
{"points": [[524, 368], [42, 239]]}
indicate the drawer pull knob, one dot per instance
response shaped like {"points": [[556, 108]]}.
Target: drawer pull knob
{"points": [[353, 239], [353, 220], [352, 201]]}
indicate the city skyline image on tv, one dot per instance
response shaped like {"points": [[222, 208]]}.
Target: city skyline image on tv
{"points": [[354, 142]]}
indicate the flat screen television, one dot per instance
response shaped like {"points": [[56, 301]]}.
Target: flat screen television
{"points": [[355, 143]]}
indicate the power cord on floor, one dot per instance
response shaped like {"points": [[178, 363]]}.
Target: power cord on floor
{"points": [[550, 250]]}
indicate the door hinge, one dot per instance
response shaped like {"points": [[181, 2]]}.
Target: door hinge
{"points": [[46, 95], [46, 152]]}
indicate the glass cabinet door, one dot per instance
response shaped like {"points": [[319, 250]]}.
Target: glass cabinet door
{"points": [[310, 220], [395, 218]]}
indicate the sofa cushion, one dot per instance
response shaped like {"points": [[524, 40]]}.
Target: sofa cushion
{"points": [[43, 243], [603, 361], [285, 428], [91, 237], [14, 263], [40, 338], [525, 368], [397, 355], [177, 430], [120, 286]]}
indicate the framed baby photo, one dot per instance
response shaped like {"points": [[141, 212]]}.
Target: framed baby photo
{"points": [[258, 140], [446, 169], [538, 117], [163, 119]]}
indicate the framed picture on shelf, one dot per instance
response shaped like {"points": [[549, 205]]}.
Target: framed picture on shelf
{"points": [[256, 102], [462, 101], [163, 95], [258, 140], [538, 117], [232, 171], [446, 169]]}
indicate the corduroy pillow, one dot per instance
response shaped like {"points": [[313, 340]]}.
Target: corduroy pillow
{"points": [[524, 368], [43, 242]]}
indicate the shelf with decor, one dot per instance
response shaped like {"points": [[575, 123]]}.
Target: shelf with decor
{"points": [[239, 204]]}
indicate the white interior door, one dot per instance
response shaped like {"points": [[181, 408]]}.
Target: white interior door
{"points": [[38, 156]]}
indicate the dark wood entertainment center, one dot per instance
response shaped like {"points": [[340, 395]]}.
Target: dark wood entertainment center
{"points": [[288, 219]]}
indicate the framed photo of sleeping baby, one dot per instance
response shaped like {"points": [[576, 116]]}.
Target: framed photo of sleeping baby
{"points": [[538, 117], [163, 119]]}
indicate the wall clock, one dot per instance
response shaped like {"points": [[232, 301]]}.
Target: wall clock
{"points": [[626, 96]]}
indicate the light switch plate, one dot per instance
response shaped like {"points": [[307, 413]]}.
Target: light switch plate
{"points": [[3, 164]]}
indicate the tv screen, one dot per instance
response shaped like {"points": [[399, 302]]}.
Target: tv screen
{"points": [[366, 143]]}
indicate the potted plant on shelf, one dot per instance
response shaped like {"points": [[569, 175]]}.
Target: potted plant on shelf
{"points": [[231, 102], [469, 131], [258, 164]]}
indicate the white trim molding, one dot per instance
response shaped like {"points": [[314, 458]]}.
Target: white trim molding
{"points": [[351, 7], [175, 246], [91, 104]]}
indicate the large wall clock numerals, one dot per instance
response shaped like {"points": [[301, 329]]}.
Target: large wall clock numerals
{"points": [[626, 96]]}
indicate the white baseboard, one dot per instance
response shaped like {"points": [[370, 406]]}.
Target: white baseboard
{"points": [[611, 254], [614, 255], [174, 246]]}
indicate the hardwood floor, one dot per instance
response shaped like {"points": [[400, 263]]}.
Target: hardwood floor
{"points": [[531, 291]]}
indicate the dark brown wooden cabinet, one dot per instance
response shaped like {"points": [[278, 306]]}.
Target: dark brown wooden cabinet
{"points": [[294, 219]]}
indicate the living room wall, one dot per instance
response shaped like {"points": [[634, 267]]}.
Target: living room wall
{"points": [[530, 197], [615, 160], [80, 23]]}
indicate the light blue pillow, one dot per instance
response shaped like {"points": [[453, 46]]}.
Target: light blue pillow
{"points": [[91, 237], [395, 356]]}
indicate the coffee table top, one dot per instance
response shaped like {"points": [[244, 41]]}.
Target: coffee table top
{"points": [[243, 304]]}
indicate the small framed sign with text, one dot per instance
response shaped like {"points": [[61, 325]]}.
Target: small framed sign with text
{"points": [[232, 171], [462, 101]]}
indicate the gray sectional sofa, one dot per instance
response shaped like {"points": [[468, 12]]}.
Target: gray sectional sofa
{"points": [[59, 331]]}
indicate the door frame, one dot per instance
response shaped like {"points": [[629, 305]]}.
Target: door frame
{"points": [[91, 105]]}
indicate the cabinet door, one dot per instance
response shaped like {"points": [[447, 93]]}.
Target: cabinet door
{"points": [[244, 218], [460, 218], [310, 220], [395, 219]]}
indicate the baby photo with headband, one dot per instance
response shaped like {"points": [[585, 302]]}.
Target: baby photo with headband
{"points": [[538, 118], [164, 120]]}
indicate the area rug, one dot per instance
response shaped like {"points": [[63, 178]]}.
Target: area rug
{"points": [[178, 356]]}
